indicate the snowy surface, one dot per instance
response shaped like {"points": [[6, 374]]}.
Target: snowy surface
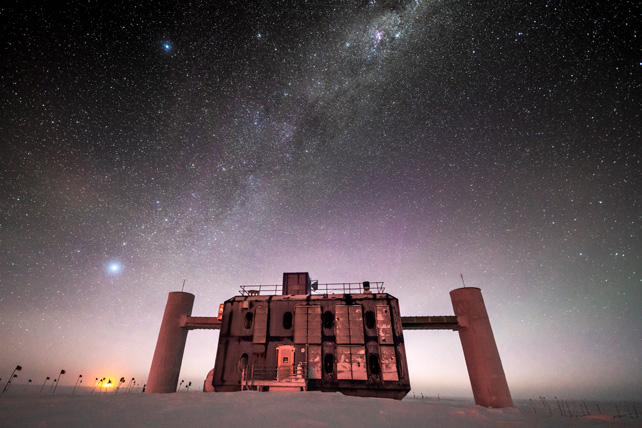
{"points": [[310, 409]]}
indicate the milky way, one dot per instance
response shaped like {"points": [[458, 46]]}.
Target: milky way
{"points": [[399, 141]]}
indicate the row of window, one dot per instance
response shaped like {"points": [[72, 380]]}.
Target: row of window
{"points": [[327, 319], [373, 364], [328, 363]]}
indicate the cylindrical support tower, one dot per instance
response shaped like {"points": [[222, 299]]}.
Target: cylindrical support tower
{"points": [[168, 356], [485, 370]]}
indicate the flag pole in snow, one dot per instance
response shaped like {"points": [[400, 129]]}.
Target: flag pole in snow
{"points": [[43, 384], [13, 374], [62, 372], [79, 379], [95, 385]]}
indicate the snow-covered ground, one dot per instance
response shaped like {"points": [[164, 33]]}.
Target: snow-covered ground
{"points": [[308, 409]]}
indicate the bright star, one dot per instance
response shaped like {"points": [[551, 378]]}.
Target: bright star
{"points": [[167, 46], [114, 268]]}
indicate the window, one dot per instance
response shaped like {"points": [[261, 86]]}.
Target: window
{"points": [[328, 363], [370, 319], [287, 320], [328, 319], [248, 319], [375, 368], [243, 362]]}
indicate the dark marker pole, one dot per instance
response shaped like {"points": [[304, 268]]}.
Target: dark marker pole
{"points": [[62, 372], [43, 384], [13, 374], [74, 391], [95, 384]]}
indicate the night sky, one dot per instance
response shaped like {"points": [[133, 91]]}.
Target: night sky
{"points": [[401, 141]]}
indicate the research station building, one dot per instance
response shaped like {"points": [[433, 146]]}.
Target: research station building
{"points": [[305, 336], [346, 337]]}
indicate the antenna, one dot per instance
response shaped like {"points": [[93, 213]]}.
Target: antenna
{"points": [[462, 280], [184, 286]]}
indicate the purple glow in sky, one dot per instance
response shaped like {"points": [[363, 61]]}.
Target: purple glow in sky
{"points": [[499, 140]]}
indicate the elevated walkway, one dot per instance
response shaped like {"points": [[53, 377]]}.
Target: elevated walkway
{"points": [[441, 322]]}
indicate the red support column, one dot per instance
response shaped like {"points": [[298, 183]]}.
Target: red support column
{"points": [[485, 370], [168, 356]]}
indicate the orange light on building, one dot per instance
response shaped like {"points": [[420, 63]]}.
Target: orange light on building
{"points": [[220, 311]]}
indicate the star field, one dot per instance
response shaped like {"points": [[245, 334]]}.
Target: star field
{"points": [[396, 141]]}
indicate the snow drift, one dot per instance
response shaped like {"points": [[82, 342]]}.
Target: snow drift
{"points": [[253, 409]]}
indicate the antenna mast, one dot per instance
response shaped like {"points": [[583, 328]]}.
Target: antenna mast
{"points": [[184, 286], [462, 280]]}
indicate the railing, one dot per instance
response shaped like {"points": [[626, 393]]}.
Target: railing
{"points": [[350, 288], [265, 290], [257, 376], [280, 373], [331, 288], [260, 373]]}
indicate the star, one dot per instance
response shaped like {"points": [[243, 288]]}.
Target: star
{"points": [[114, 268]]}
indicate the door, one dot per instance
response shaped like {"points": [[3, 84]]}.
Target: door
{"points": [[285, 358]]}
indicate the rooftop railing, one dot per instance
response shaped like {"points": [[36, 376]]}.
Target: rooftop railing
{"points": [[330, 288]]}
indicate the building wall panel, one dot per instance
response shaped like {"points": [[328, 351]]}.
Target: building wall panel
{"points": [[260, 324], [301, 324], [314, 362], [384, 325], [388, 363], [344, 362], [358, 363], [356, 324], [314, 324], [342, 324]]}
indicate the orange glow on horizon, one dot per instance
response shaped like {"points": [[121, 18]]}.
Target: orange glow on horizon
{"points": [[104, 382]]}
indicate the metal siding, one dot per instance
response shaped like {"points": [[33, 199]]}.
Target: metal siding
{"points": [[349, 324], [388, 363], [260, 324], [307, 324], [300, 324], [342, 324], [359, 370], [384, 326], [344, 369], [356, 324], [314, 324], [314, 362]]}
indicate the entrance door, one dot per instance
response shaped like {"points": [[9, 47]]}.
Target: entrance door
{"points": [[285, 358]]}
